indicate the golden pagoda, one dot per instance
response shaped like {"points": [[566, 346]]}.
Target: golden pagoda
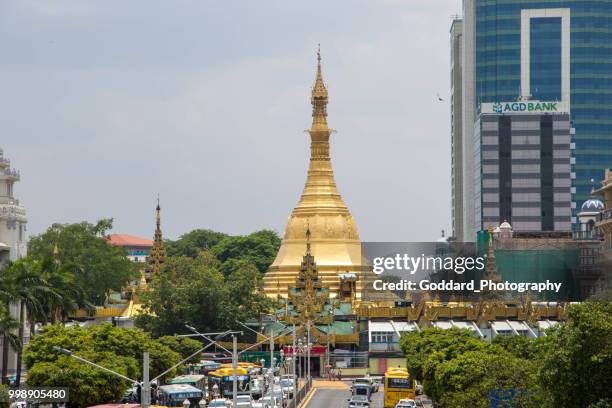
{"points": [[157, 256], [334, 238]]}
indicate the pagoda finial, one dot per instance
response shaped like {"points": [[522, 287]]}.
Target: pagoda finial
{"points": [[319, 100], [157, 214], [158, 252]]}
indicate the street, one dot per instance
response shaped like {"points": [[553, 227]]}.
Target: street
{"points": [[336, 397]]}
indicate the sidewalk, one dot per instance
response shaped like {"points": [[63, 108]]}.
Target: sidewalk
{"points": [[330, 384]]}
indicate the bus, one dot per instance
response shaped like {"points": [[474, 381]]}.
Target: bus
{"points": [[195, 380], [202, 367], [398, 385], [223, 378], [173, 395], [243, 364]]}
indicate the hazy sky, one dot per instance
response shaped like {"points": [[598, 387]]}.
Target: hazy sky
{"points": [[104, 104]]}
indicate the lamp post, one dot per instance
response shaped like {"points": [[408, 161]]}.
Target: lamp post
{"points": [[299, 350], [296, 384], [272, 394], [308, 345], [281, 367], [331, 316], [235, 370]]}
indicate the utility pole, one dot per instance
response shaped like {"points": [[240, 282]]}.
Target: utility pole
{"points": [[235, 369], [272, 368], [308, 350], [300, 351], [145, 393], [296, 381]]}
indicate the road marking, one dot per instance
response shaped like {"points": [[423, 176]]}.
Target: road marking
{"points": [[309, 396]]}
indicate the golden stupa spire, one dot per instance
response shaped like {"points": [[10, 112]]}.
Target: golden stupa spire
{"points": [[157, 256], [321, 213], [319, 101]]}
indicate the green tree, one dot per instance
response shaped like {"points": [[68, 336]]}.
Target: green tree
{"points": [[418, 346], [475, 378], [182, 345], [31, 292], [88, 385], [8, 329], [194, 291], [259, 248], [118, 349], [191, 243], [84, 252], [186, 290], [522, 347], [576, 368]]}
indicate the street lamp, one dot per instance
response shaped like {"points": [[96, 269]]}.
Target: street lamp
{"points": [[331, 316], [300, 350], [308, 345]]}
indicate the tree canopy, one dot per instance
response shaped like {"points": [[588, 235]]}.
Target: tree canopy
{"points": [[571, 366], [84, 252], [115, 348], [191, 243], [194, 290]]}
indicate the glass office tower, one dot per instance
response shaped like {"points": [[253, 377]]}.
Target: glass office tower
{"points": [[550, 51]]}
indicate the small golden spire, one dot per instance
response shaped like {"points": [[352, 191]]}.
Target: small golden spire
{"points": [[157, 256], [158, 216], [319, 99], [56, 250]]}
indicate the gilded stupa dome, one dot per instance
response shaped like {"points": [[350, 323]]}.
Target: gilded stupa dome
{"points": [[320, 210]]}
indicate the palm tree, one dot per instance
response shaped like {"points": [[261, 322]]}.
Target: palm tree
{"points": [[31, 291], [8, 324], [71, 297]]}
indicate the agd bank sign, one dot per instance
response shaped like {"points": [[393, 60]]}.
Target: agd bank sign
{"points": [[536, 107]]}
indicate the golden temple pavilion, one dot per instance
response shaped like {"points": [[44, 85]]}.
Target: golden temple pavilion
{"points": [[321, 210]]}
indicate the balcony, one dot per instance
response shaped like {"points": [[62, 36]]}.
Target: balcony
{"points": [[11, 174], [605, 215], [592, 235]]}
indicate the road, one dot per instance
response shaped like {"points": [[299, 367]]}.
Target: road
{"points": [[337, 398]]}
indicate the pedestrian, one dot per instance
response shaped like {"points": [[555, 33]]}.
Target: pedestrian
{"points": [[331, 374], [339, 375]]}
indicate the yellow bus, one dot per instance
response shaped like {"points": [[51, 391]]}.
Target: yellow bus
{"points": [[223, 378], [242, 364], [398, 385]]}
